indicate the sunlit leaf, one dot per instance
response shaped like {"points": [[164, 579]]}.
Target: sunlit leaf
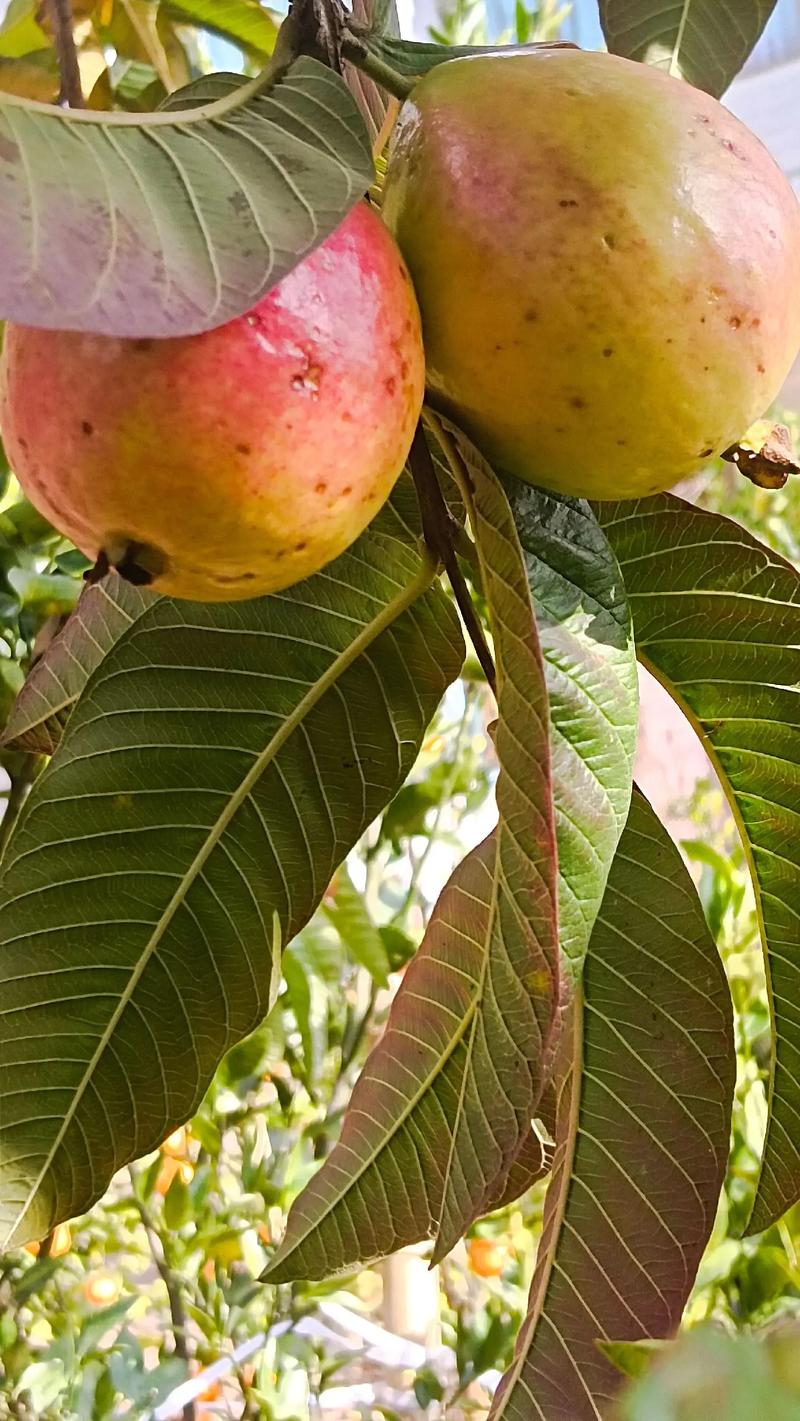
{"points": [[220, 763], [181, 219], [717, 619], [704, 41], [645, 1085], [243, 22]]}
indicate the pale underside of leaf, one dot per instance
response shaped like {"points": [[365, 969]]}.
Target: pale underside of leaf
{"points": [[717, 619], [646, 1078], [219, 765], [182, 219], [704, 41]]}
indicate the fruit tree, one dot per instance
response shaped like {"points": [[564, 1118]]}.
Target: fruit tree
{"points": [[382, 357]]}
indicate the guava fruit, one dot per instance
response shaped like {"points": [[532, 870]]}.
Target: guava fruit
{"points": [[607, 264], [234, 463]]}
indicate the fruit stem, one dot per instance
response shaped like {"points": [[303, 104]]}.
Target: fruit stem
{"points": [[363, 58], [70, 93], [440, 531]]}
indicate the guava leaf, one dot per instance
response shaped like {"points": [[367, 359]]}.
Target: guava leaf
{"points": [[717, 620], [219, 765], [169, 223], [383, 1185], [448, 1095], [244, 22], [379, 109], [704, 41], [587, 640], [20, 33], [412, 58], [645, 1086], [43, 706]]}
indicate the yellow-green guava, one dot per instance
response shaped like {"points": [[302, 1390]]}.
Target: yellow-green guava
{"points": [[234, 463], [607, 264]]}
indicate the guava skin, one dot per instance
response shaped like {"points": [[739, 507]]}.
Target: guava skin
{"points": [[235, 462], [607, 264]]}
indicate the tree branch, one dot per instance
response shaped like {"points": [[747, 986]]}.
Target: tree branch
{"points": [[71, 93], [440, 531], [177, 1311]]}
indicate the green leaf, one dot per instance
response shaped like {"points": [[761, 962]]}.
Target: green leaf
{"points": [[717, 620], [447, 1097], [243, 22], [378, 18], [221, 762], [646, 1078], [587, 640], [182, 219], [413, 59], [20, 33], [349, 916], [387, 1175], [708, 1376], [40, 712], [704, 41]]}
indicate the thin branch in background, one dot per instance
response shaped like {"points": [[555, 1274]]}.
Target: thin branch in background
{"points": [[441, 530], [71, 93], [177, 1311]]}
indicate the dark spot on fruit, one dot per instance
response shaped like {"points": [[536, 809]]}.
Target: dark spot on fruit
{"points": [[669, 340], [403, 369], [610, 241], [762, 369], [608, 351], [347, 418], [773, 234], [567, 202], [300, 547], [559, 429], [702, 320], [755, 323], [243, 449], [621, 443], [87, 427], [498, 347], [347, 490], [23, 443], [577, 402], [735, 322], [390, 385], [531, 315], [142, 345], [706, 453], [320, 487], [706, 369]]}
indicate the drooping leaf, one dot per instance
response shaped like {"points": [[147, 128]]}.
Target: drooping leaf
{"points": [[448, 1095], [645, 1084], [244, 22], [219, 765], [387, 1174], [587, 640], [717, 620], [704, 41], [41, 710], [181, 219]]}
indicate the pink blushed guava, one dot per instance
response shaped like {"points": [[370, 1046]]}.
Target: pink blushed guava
{"points": [[234, 463]]}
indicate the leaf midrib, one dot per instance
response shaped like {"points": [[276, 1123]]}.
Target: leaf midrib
{"points": [[404, 599]]}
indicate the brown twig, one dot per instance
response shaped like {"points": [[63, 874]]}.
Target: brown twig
{"points": [[440, 531], [71, 93], [177, 1311]]}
